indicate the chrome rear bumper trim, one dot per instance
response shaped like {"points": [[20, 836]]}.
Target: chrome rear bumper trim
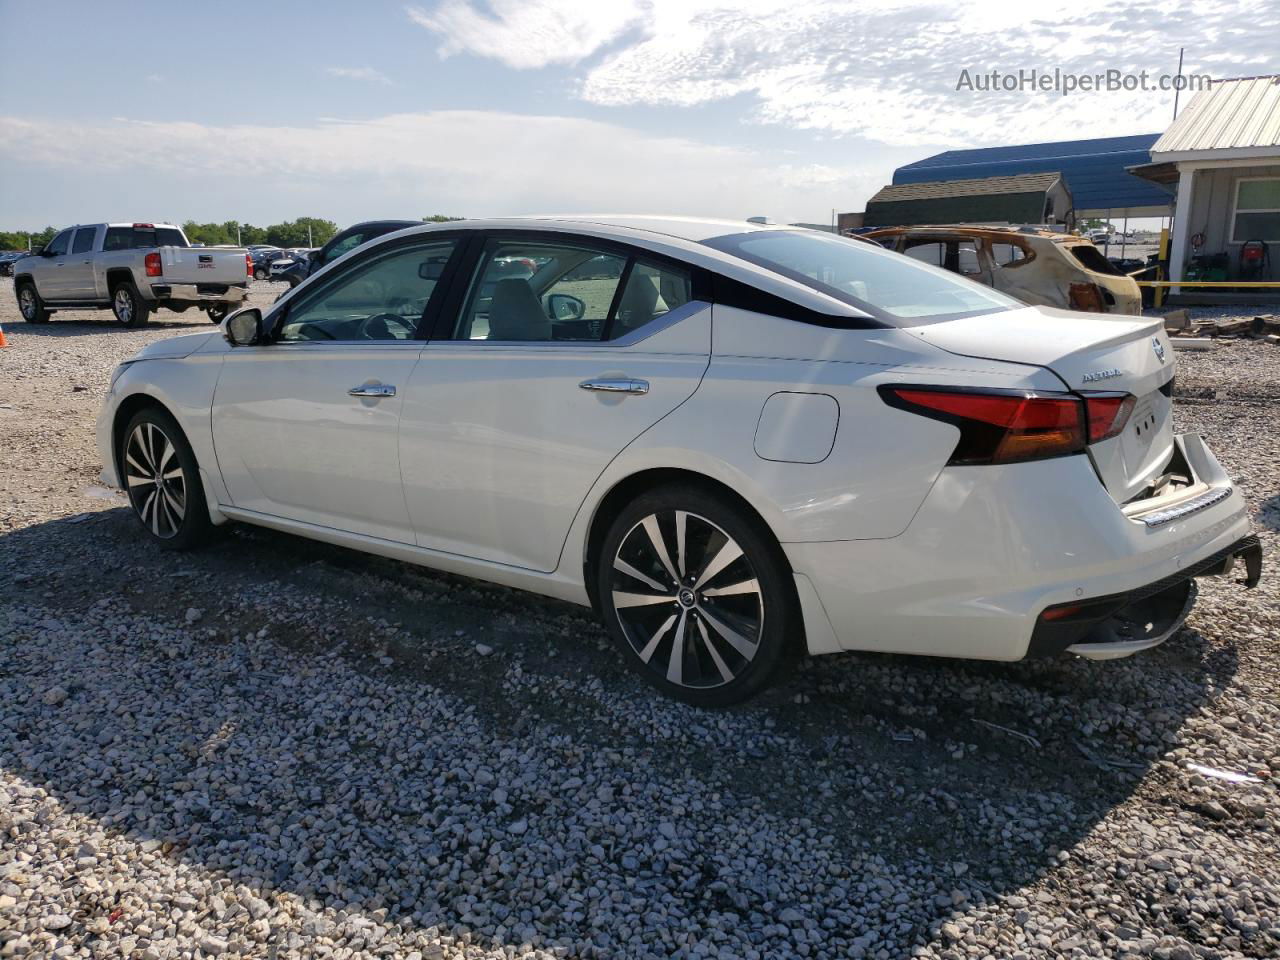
{"points": [[1194, 505]]}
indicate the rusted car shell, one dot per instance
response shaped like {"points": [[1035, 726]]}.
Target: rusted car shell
{"points": [[1035, 266]]}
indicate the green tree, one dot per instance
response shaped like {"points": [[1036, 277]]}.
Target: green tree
{"points": [[295, 233], [440, 218]]}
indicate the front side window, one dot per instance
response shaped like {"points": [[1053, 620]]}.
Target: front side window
{"points": [[345, 245], [889, 286], [58, 245], [1257, 213], [84, 240], [380, 299], [549, 292]]}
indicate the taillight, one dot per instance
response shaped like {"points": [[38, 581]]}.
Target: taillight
{"points": [[248, 264], [152, 264], [1086, 296], [1107, 413], [999, 426]]}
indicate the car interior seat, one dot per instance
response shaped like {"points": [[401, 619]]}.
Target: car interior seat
{"points": [[516, 313]]}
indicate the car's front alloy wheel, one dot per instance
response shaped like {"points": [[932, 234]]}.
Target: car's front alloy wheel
{"points": [[159, 473], [697, 596]]}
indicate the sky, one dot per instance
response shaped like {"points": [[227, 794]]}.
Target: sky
{"points": [[262, 112]]}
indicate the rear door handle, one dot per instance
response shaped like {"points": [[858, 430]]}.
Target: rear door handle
{"points": [[372, 390], [616, 385]]}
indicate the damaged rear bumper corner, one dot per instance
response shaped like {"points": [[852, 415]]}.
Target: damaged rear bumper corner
{"points": [[1104, 628]]}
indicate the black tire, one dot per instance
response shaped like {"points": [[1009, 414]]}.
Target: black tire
{"points": [[740, 622], [260, 274], [217, 314], [169, 502], [31, 304], [128, 306]]}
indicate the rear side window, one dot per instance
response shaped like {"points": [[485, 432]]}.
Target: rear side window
{"points": [[548, 292], [84, 240], [1091, 258]]}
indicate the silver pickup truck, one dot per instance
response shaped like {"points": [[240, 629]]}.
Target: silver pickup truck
{"points": [[133, 268]]}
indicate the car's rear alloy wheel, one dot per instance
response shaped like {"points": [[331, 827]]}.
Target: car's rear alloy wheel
{"points": [[160, 475], [693, 591]]}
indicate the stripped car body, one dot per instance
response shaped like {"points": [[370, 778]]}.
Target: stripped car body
{"points": [[1036, 266]]}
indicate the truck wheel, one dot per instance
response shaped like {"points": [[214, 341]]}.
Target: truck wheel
{"points": [[32, 307], [128, 306], [216, 314]]}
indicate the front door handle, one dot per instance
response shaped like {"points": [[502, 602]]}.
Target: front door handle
{"points": [[372, 390], [617, 385]]}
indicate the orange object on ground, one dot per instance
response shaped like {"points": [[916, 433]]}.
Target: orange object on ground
{"points": [[3, 341]]}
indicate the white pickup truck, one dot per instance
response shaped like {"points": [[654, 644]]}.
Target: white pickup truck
{"points": [[133, 268]]}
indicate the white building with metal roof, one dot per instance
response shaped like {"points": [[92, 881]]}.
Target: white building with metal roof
{"points": [[1223, 151]]}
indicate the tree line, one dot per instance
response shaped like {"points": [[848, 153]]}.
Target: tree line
{"points": [[303, 232]]}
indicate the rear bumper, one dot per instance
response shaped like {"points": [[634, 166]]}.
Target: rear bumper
{"points": [[993, 547], [1124, 623], [200, 292]]}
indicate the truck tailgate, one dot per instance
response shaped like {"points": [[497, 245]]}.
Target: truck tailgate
{"points": [[197, 265]]}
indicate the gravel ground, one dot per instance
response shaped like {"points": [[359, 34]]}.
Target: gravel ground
{"points": [[275, 748]]}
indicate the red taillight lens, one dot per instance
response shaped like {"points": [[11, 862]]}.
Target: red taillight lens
{"points": [[999, 426], [1108, 413], [152, 264], [248, 264]]}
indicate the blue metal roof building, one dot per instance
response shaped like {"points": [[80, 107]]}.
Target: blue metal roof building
{"points": [[1095, 170]]}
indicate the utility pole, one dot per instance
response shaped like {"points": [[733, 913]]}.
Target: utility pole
{"points": [[1177, 87], [309, 243], [238, 243]]}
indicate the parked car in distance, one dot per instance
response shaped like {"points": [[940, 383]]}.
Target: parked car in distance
{"points": [[262, 259], [341, 243], [1036, 266], [870, 453], [281, 264], [131, 269], [8, 258]]}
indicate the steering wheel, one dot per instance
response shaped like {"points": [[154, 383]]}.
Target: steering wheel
{"points": [[371, 324]]}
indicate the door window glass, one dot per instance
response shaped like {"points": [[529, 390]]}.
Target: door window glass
{"points": [[540, 292], [84, 240], [382, 299], [345, 245], [650, 292], [58, 245], [932, 253]]}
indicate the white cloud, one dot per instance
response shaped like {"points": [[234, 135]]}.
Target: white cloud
{"points": [[886, 72], [359, 73], [467, 162], [526, 34]]}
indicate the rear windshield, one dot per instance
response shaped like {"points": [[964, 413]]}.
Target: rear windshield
{"points": [[1091, 258], [889, 286], [138, 238]]}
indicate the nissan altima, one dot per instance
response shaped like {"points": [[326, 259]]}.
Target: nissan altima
{"points": [[738, 443]]}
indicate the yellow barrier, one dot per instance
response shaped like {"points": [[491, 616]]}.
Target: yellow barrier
{"points": [[1265, 284]]}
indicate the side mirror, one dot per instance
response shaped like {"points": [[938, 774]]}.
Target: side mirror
{"points": [[563, 306], [44, 252], [243, 328]]}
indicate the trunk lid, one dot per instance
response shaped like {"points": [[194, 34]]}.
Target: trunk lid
{"points": [[1089, 352]]}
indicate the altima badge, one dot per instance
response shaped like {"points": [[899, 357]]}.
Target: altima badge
{"points": [[1158, 347], [1102, 374]]}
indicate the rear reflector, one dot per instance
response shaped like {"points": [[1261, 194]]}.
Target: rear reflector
{"points": [[999, 426], [151, 262], [248, 264]]}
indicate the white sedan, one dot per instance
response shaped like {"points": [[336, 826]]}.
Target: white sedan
{"points": [[738, 443]]}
